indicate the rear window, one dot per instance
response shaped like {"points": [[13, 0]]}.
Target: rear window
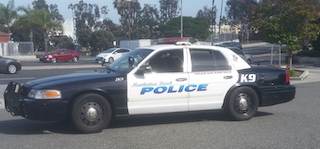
{"points": [[208, 60]]}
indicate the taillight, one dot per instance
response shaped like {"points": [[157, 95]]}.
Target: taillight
{"points": [[287, 76]]}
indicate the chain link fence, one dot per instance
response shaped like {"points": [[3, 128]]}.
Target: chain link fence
{"points": [[17, 49], [222, 37]]}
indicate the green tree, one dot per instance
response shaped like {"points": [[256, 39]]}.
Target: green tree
{"points": [[208, 14], [129, 12], [193, 27], [8, 14], [168, 10], [101, 40], [149, 20], [240, 11], [85, 16], [45, 21], [62, 41], [287, 22]]}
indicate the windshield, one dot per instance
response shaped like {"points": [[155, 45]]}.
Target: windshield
{"points": [[109, 50], [121, 65]]}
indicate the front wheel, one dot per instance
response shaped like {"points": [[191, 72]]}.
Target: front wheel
{"points": [[91, 113], [54, 60], [242, 104]]}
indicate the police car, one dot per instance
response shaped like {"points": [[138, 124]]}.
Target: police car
{"points": [[157, 79]]}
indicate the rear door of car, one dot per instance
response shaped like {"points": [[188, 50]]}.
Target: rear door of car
{"points": [[2, 64], [212, 71], [165, 89]]}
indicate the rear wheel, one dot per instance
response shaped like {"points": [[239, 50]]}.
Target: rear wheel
{"points": [[242, 104], [54, 60], [91, 113], [74, 59], [11, 68]]}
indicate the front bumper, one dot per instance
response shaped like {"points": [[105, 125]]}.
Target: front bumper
{"points": [[36, 109], [277, 94]]}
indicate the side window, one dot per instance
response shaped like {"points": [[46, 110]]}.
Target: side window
{"points": [[208, 60], [122, 50], [167, 61]]}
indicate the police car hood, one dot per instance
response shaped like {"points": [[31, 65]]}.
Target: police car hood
{"points": [[74, 79]]}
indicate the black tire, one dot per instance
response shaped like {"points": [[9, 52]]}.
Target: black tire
{"points": [[111, 60], [11, 68], [99, 116], [242, 104], [54, 60], [75, 59]]}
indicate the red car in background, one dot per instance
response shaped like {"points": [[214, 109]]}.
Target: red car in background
{"points": [[60, 55]]}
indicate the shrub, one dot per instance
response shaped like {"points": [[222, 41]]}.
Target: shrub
{"points": [[309, 53]]}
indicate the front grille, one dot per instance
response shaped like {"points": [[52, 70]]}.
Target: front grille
{"points": [[24, 91]]}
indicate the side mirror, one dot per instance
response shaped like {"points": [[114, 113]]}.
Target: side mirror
{"points": [[144, 69]]}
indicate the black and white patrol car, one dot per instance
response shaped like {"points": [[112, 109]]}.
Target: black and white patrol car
{"points": [[148, 80]]}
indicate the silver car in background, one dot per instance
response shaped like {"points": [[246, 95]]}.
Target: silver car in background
{"points": [[247, 57]]}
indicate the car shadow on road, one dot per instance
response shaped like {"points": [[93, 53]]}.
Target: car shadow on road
{"points": [[25, 127]]}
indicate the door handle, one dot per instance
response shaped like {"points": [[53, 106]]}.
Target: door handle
{"points": [[227, 77], [181, 79]]}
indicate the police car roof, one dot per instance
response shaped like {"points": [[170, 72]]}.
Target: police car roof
{"points": [[175, 46]]}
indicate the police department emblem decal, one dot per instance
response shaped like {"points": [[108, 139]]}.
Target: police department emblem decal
{"points": [[235, 58]]}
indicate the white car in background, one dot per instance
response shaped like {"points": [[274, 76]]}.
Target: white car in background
{"points": [[110, 55]]}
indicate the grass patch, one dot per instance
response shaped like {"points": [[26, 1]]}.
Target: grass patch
{"points": [[295, 73]]}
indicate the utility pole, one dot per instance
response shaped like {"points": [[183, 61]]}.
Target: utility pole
{"points": [[181, 27], [220, 16]]}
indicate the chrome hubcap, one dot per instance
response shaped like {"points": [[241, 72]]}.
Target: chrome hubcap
{"points": [[243, 103], [75, 59], [91, 113], [12, 68]]}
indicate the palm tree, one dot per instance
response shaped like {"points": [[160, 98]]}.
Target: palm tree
{"points": [[25, 21], [45, 21], [8, 14]]}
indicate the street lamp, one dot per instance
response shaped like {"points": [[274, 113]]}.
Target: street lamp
{"points": [[181, 27]]}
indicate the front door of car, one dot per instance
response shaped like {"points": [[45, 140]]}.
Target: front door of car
{"points": [[163, 89], [210, 70], [60, 55]]}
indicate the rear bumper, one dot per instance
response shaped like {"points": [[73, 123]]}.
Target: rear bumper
{"points": [[277, 94]]}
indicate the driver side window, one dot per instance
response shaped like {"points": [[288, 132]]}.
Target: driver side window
{"points": [[167, 61]]}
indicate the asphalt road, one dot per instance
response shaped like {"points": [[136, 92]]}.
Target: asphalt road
{"points": [[290, 125]]}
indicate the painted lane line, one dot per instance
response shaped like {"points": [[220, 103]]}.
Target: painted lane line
{"points": [[25, 78]]}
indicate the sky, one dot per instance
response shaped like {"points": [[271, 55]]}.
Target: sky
{"points": [[189, 7]]}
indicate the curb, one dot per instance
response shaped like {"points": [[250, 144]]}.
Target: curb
{"points": [[302, 76]]}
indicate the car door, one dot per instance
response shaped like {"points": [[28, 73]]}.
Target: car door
{"points": [[210, 70], [59, 55], [163, 89], [116, 54]]}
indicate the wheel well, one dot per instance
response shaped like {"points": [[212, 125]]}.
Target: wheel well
{"points": [[235, 87], [103, 94]]}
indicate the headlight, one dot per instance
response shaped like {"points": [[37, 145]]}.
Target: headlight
{"points": [[44, 94]]}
